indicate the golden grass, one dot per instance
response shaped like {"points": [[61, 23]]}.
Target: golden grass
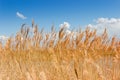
{"points": [[57, 56]]}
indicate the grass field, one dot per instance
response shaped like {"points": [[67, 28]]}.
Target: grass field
{"points": [[80, 55]]}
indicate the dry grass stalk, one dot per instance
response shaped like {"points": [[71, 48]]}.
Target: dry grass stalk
{"points": [[85, 48]]}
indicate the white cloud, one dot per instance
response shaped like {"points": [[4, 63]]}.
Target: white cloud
{"points": [[112, 25], [65, 25], [3, 37], [21, 15], [107, 20], [68, 31]]}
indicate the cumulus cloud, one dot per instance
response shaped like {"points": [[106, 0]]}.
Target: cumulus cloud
{"points": [[21, 15], [68, 31], [3, 37], [107, 20], [65, 25], [111, 24]]}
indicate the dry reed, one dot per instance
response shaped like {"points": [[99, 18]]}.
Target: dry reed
{"points": [[34, 55]]}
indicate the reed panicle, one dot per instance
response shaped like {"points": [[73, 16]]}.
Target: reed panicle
{"points": [[48, 56]]}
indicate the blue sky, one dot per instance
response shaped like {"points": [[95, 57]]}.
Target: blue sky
{"points": [[49, 12]]}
